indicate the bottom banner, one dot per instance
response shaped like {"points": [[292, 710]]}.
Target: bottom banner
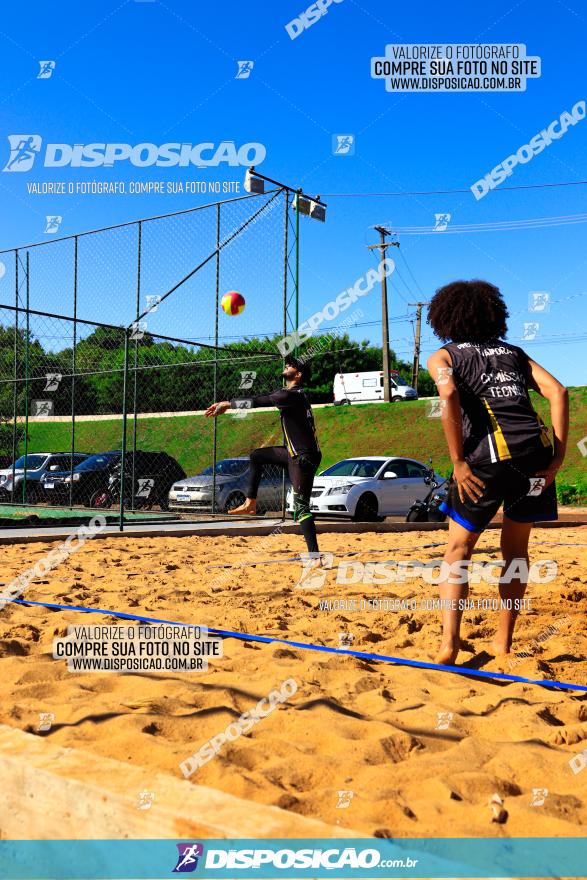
{"points": [[335, 858]]}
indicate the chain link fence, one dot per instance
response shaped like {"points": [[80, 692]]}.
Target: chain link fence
{"points": [[110, 415]]}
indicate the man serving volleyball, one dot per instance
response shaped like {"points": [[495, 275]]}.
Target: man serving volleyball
{"points": [[300, 454]]}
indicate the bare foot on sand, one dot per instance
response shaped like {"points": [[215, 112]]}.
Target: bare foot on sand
{"points": [[448, 652], [499, 647], [249, 508]]}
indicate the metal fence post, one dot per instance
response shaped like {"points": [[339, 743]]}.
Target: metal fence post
{"points": [[26, 380], [285, 271], [15, 373], [136, 364], [123, 446], [73, 371], [215, 380]]}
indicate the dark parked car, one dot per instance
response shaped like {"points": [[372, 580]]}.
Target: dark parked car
{"points": [[34, 466], [89, 477], [154, 474]]}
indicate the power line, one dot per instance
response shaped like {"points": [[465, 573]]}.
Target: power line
{"points": [[411, 273], [444, 192], [497, 225]]}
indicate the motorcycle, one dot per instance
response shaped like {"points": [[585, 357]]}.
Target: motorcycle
{"points": [[144, 497], [428, 510]]}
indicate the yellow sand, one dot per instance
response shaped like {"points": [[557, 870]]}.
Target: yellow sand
{"points": [[369, 727]]}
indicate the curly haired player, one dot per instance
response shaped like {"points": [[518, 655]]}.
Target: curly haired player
{"points": [[499, 446]]}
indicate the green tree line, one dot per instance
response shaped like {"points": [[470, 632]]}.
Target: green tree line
{"points": [[165, 376]]}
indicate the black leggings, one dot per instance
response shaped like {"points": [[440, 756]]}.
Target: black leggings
{"points": [[302, 469]]}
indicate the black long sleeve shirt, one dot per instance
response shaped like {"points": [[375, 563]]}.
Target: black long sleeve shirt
{"points": [[297, 420]]}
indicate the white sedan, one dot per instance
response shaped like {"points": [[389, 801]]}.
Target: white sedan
{"points": [[369, 488]]}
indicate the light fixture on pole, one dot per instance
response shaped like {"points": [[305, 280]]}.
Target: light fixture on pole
{"points": [[253, 182]]}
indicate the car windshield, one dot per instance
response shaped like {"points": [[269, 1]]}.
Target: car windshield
{"points": [[399, 381], [33, 462], [353, 467], [228, 467], [97, 462]]}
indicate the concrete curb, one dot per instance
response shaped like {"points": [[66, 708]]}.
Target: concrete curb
{"points": [[55, 793], [244, 528]]}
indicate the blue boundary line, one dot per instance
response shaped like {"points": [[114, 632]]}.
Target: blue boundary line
{"points": [[400, 661]]}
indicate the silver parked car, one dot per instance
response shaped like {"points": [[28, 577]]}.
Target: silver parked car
{"points": [[231, 483]]}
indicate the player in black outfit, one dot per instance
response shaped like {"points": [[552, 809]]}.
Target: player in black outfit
{"points": [[300, 454], [500, 448]]}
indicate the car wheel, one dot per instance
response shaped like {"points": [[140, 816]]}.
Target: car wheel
{"points": [[396, 399], [101, 499], [367, 509], [235, 499]]}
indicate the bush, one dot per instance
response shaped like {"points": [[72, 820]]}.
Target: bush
{"points": [[572, 493]]}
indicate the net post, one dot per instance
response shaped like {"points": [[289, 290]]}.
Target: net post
{"points": [[15, 372], [73, 370], [136, 363], [215, 376], [285, 271], [123, 445], [26, 380]]}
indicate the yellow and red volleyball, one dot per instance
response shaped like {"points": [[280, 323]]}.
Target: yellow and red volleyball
{"points": [[233, 303]]}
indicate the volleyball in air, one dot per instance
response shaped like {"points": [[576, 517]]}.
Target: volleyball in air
{"points": [[233, 303]]}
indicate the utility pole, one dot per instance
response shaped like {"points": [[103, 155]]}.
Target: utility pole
{"points": [[416, 365], [382, 246]]}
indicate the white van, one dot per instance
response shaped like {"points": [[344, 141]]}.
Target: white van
{"points": [[368, 387]]}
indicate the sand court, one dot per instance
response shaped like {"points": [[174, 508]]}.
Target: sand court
{"points": [[372, 746]]}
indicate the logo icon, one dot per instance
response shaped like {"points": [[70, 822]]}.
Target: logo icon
{"points": [[314, 570], [244, 69], [539, 301], [345, 797], [53, 223], [441, 222], [46, 719], [345, 640], [41, 409], [539, 795], [444, 719], [343, 144], [153, 300], [435, 408], [145, 487], [23, 151], [241, 408], [530, 330], [247, 378], [187, 860], [146, 799], [139, 328], [536, 485], [53, 380], [443, 375], [46, 71]]}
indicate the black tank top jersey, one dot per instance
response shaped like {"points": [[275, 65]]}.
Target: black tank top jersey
{"points": [[297, 420], [499, 421]]}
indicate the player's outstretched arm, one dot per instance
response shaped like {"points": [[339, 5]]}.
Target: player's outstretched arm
{"points": [[216, 409]]}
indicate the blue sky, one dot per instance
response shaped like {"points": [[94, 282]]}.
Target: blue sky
{"points": [[156, 72]]}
